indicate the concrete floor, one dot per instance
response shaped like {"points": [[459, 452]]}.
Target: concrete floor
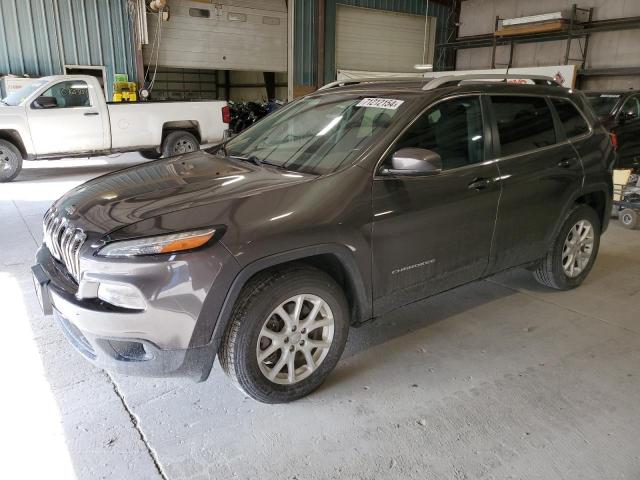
{"points": [[498, 379]]}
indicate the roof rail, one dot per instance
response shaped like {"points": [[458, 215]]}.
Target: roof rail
{"points": [[439, 81], [355, 81]]}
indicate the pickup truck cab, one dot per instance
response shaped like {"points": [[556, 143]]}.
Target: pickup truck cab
{"points": [[67, 115]]}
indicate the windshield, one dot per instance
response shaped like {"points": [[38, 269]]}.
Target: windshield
{"points": [[17, 97], [603, 103], [317, 135]]}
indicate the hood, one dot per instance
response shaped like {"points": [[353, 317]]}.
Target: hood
{"points": [[152, 189]]}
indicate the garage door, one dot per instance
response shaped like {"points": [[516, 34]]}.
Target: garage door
{"points": [[377, 40], [234, 35]]}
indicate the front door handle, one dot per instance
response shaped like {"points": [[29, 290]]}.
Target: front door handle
{"points": [[479, 184], [91, 113], [566, 162]]}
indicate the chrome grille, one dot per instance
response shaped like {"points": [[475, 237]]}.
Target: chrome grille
{"points": [[63, 241]]}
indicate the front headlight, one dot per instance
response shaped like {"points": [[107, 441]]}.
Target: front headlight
{"points": [[174, 242]]}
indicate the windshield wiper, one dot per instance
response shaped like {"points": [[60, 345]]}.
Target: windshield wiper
{"points": [[250, 158], [256, 161]]}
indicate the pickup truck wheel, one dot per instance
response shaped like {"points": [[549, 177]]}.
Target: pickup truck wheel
{"points": [[150, 154], [178, 143], [10, 161], [573, 253], [287, 333], [628, 218]]}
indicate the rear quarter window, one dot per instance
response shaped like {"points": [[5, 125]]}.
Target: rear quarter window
{"points": [[572, 120], [524, 123]]}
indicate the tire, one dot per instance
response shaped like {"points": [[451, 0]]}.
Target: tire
{"points": [[550, 270], [10, 161], [254, 313], [628, 218], [179, 142], [150, 154]]}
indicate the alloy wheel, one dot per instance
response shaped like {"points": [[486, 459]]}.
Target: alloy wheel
{"points": [[295, 339], [577, 248]]}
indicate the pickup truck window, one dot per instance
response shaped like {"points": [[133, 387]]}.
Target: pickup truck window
{"points": [[317, 135], [453, 129], [16, 98], [69, 94], [524, 123]]}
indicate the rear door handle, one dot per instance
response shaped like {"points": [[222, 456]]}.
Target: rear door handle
{"points": [[91, 113], [479, 184], [566, 162]]}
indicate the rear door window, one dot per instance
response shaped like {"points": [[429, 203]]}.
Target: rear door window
{"points": [[572, 120], [524, 123]]}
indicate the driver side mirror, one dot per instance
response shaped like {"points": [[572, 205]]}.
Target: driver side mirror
{"points": [[45, 102], [414, 161]]}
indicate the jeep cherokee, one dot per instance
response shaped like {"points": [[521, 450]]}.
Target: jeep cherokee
{"points": [[340, 207]]}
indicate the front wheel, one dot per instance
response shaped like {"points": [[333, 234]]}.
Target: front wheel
{"points": [[10, 161], [287, 333], [574, 251]]}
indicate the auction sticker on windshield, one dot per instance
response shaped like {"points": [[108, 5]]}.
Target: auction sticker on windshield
{"points": [[388, 103]]}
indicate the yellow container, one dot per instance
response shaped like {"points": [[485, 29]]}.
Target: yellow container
{"points": [[125, 92]]}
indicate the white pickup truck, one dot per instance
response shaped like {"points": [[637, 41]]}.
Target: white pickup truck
{"points": [[67, 116]]}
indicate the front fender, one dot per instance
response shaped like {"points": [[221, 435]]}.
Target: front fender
{"points": [[15, 128], [360, 289]]}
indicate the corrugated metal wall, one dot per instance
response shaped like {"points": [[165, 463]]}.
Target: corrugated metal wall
{"points": [[304, 42], [40, 37], [305, 14]]}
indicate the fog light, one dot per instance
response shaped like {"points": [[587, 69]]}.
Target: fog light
{"points": [[121, 295]]}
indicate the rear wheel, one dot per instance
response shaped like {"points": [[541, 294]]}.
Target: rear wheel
{"points": [[628, 218], [10, 161], [287, 333], [574, 251], [179, 142]]}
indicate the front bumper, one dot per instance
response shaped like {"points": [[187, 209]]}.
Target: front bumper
{"points": [[167, 338], [137, 356]]}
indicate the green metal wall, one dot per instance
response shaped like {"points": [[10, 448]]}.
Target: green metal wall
{"points": [[305, 14], [39, 37]]}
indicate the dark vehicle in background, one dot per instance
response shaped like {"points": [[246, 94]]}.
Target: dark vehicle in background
{"points": [[336, 209], [619, 112]]}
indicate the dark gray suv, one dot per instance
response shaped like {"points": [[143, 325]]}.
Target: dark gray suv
{"points": [[342, 206]]}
